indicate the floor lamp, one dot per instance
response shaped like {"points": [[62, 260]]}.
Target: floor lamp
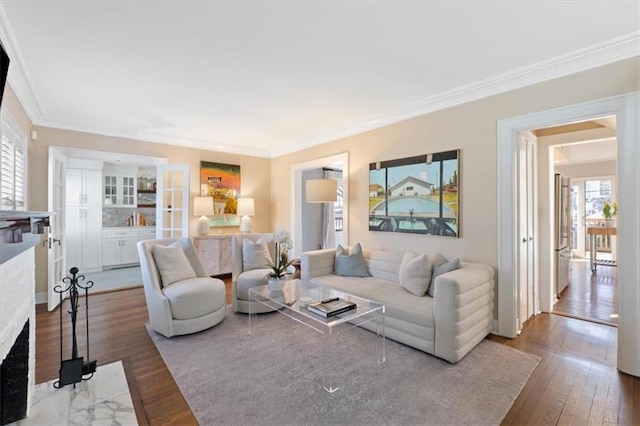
{"points": [[320, 191]]}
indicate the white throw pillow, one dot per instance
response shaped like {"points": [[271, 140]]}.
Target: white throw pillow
{"points": [[172, 263], [415, 273], [255, 255]]}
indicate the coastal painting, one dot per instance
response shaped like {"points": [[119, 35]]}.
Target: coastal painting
{"points": [[418, 194], [222, 182]]}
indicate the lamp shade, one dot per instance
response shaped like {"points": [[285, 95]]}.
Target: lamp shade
{"points": [[202, 206], [322, 190], [246, 207]]}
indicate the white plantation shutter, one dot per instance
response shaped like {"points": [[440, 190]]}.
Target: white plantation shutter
{"points": [[13, 166]]}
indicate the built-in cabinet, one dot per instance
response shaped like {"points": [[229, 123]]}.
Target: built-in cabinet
{"points": [[119, 188], [83, 215], [215, 252], [119, 245]]}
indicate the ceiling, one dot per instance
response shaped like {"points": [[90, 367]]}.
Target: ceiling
{"points": [[271, 77]]}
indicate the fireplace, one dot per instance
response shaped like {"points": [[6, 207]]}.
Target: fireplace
{"points": [[14, 380]]}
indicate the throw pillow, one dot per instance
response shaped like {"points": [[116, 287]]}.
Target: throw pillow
{"points": [[255, 255], [440, 268], [415, 273], [172, 263], [350, 264]]}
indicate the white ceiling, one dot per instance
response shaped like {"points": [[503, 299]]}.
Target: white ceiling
{"points": [[266, 78]]}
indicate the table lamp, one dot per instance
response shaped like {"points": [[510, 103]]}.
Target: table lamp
{"points": [[246, 208], [203, 206]]}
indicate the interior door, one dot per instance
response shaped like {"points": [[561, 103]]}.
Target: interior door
{"points": [[526, 228], [172, 201], [55, 241]]}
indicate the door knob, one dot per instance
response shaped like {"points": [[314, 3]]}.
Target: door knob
{"points": [[524, 240]]}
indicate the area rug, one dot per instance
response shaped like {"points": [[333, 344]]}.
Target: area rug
{"points": [[274, 377]]}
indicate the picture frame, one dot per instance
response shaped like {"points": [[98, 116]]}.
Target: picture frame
{"points": [[221, 182], [418, 194]]}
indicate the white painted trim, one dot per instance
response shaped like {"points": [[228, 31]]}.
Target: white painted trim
{"points": [[627, 110], [296, 190], [41, 298]]}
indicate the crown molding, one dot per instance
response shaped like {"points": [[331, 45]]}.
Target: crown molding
{"points": [[18, 76], [159, 138], [600, 54]]}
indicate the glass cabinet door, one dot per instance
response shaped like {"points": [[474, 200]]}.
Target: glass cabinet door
{"points": [[128, 191], [110, 190]]}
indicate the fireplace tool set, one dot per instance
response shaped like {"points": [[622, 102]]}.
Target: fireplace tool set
{"points": [[73, 370]]}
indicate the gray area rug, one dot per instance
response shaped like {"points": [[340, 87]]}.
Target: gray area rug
{"points": [[274, 377]]}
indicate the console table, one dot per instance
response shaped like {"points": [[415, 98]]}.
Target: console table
{"points": [[593, 233], [215, 252]]}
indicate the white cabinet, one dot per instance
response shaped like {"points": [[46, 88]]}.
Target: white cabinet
{"points": [[119, 186], [215, 253], [119, 246], [83, 217]]}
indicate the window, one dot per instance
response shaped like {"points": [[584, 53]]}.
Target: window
{"points": [[13, 165]]}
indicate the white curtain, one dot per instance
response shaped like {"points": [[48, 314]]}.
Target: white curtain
{"points": [[327, 217]]}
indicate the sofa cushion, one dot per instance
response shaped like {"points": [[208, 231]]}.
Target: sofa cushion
{"points": [[255, 255], [195, 297], [172, 263], [350, 264], [442, 268], [250, 279], [415, 273]]}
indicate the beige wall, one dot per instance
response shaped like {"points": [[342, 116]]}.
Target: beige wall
{"points": [[255, 182], [471, 128], [588, 170]]}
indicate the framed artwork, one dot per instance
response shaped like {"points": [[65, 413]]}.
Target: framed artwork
{"points": [[222, 182], [417, 194]]}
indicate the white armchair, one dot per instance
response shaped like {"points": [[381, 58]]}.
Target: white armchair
{"points": [[186, 306], [242, 280]]}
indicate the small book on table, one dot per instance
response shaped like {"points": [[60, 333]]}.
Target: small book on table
{"points": [[330, 307]]}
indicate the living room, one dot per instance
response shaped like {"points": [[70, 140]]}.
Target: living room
{"points": [[466, 120]]}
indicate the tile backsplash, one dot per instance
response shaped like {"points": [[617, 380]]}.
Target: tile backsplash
{"points": [[118, 216]]}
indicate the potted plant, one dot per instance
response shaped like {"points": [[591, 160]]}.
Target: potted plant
{"points": [[609, 211], [279, 267]]}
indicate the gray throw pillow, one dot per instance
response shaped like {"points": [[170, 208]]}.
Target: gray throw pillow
{"points": [[415, 273], [350, 264], [255, 255], [440, 268], [172, 263]]}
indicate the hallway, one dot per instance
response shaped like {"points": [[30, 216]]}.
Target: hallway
{"points": [[593, 297]]}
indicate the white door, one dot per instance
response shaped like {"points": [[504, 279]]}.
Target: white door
{"points": [[55, 240], [172, 201], [526, 243]]}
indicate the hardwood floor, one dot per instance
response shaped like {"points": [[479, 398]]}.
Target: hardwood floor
{"points": [[590, 296], [575, 383]]}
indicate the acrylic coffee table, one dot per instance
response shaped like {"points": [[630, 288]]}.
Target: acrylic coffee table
{"points": [[331, 329]]}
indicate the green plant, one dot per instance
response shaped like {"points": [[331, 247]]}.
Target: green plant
{"points": [[608, 210]]}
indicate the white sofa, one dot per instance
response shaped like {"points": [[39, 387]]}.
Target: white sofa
{"points": [[447, 325]]}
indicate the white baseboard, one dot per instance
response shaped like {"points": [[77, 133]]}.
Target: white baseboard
{"points": [[495, 327], [41, 298]]}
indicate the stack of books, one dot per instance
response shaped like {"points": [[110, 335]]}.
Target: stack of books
{"points": [[330, 307]]}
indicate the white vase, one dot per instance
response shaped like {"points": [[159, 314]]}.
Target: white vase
{"points": [[276, 284], [610, 223]]}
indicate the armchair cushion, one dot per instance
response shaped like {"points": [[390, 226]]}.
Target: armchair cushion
{"points": [[442, 266], [172, 263], [195, 297], [248, 280], [255, 255]]}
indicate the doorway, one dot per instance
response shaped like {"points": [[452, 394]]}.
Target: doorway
{"points": [[627, 110]]}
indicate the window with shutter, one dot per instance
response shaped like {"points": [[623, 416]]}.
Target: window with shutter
{"points": [[13, 165]]}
